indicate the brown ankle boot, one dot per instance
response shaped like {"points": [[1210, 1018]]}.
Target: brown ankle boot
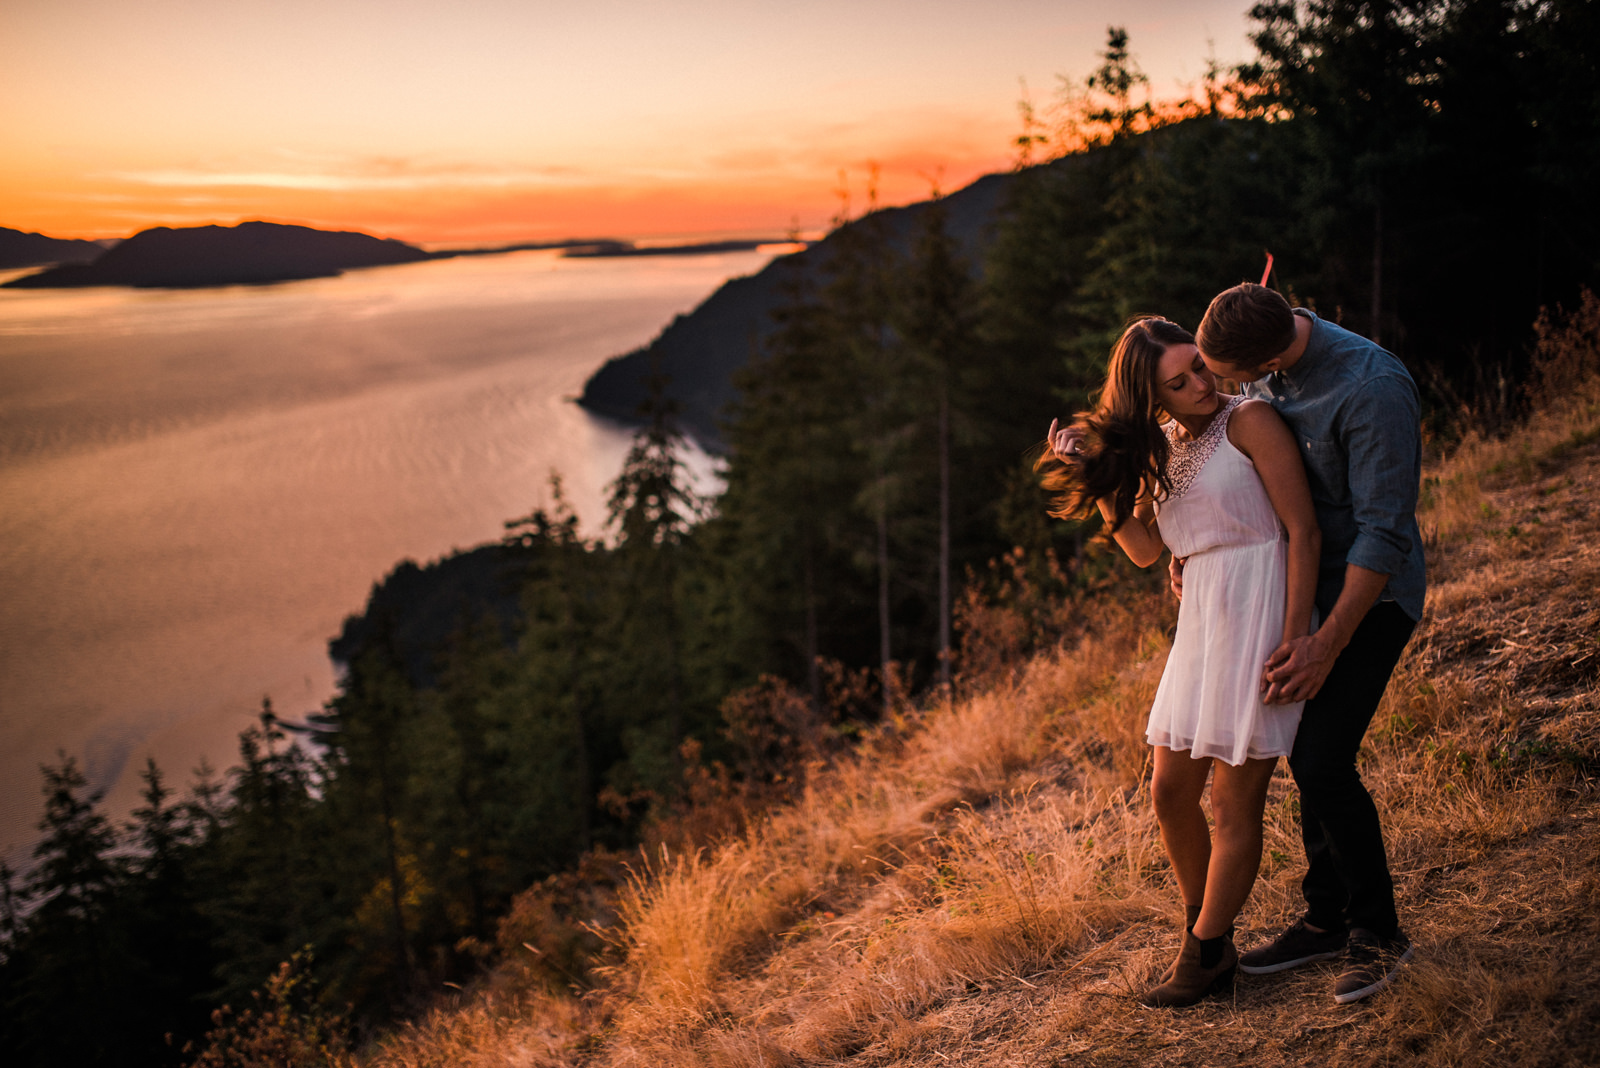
{"points": [[1191, 916], [1189, 981]]}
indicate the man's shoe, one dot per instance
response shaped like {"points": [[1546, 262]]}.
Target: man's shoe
{"points": [[1296, 946], [1371, 963]]}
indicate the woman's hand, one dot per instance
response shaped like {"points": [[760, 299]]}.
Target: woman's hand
{"points": [[1065, 442], [1138, 536]]}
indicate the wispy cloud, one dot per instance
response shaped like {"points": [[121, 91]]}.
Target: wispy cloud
{"points": [[353, 181]]}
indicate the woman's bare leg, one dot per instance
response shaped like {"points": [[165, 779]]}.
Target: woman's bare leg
{"points": [[1238, 798], [1177, 785]]}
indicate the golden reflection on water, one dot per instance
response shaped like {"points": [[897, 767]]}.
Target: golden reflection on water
{"points": [[197, 487]]}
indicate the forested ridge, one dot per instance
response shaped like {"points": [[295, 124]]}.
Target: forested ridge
{"points": [[1422, 172]]}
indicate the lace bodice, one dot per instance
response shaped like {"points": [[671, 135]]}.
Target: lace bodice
{"points": [[1186, 458], [1217, 499]]}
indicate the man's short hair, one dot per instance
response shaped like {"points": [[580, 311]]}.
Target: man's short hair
{"points": [[1246, 326]]}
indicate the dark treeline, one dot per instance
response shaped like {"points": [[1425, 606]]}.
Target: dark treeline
{"points": [[1422, 171]]}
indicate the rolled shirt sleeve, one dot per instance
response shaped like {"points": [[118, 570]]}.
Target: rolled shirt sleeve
{"points": [[1383, 438], [1355, 413]]}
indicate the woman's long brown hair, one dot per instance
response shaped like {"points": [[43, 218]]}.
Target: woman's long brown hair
{"points": [[1125, 449]]}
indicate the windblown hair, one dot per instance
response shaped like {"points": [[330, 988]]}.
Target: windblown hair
{"points": [[1125, 449], [1246, 326]]}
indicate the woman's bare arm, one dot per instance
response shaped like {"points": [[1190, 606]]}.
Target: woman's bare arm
{"points": [[1261, 434], [1139, 537]]}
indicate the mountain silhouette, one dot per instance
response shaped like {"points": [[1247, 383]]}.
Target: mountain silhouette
{"points": [[18, 249], [699, 352], [252, 252]]}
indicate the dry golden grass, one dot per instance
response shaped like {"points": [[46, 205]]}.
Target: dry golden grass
{"points": [[491, 1029], [983, 884]]}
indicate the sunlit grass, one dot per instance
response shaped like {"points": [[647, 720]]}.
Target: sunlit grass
{"points": [[983, 880]]}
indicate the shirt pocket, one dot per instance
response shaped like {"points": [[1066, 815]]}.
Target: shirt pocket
{"points": [[1327, 470]]}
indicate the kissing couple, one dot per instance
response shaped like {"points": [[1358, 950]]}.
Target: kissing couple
{"points": [[1290, 514]]}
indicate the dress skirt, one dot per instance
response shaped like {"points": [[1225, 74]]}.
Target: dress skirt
{"points": [[1231, 618]]}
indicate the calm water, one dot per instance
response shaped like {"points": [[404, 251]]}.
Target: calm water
{"points": [[197, 487]]}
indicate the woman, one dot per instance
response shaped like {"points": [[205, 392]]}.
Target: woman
{"points": [[1170, 463]]}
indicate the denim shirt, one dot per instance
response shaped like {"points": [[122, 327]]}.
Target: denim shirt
{"points": [[1353, 409]]}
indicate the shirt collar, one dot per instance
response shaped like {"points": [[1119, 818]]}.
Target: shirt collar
{"points": [[1293, 381]]}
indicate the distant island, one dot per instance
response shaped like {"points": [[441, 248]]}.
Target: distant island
{"points": [[699, 352], [250, 253], [596, 249], [254, 253]]}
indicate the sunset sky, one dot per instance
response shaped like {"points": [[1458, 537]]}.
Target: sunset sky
{"points": [[504, 120]]}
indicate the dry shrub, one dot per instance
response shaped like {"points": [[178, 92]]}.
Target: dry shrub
{"points": [[548, 940], [1100, 693], [1566, 355], [777, 738], [1016, 612], [713, 805], [524, 1029], [776, 731], [1026, 606], [287, 1025]]}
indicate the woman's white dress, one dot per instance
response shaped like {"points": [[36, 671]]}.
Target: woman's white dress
{"points": [[1221, 522]]}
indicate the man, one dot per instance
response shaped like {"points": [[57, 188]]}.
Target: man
{"points": [[1353, 409]]}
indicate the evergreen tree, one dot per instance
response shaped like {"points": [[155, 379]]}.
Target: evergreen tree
{"points": [[1350, 73], [881, 421], [272, 870], [1456, 131], [1031, 326], [779, 543], [1116, 117], [560, 680], [65, 1003], [937, 311], [170, 941], [651, 510]]}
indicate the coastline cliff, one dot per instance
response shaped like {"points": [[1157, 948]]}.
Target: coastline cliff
{"points": [[699, 352]]}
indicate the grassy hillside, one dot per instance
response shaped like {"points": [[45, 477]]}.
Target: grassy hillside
{"points": [[982, 883]]}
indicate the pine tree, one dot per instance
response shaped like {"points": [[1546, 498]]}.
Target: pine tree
{"points": [[170, 941], [651, 510], [64, 999], [1461, 133], [558, 694], [859, 296], [267, 871], [937, 312], [779, 543]]}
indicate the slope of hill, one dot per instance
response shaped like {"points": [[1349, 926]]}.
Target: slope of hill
{"points": [[252, 252], [699, 352], [982, 883], [18, 249]]}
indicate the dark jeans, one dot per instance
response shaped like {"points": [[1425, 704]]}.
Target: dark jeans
{"points": [[1347, 879]]}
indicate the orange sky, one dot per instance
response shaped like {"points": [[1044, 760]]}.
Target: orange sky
{"points": [[480, 121]]}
